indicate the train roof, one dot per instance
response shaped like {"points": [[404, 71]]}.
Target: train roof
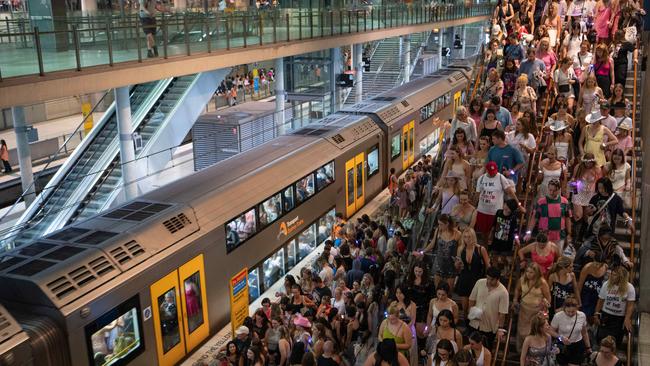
{"points": [[72, 262]]}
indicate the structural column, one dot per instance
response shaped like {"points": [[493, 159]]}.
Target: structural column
{"points": [[464, 42], [358, 59], [24, 155], [407, 58], [335, 70], [280, 97], [441, 37], [127, 150]]}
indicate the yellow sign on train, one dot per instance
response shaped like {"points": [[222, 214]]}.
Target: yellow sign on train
{"points": [[238, 299]]}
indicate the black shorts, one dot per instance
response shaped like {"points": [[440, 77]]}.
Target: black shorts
{"points": [[573, 354], [148, 25]]}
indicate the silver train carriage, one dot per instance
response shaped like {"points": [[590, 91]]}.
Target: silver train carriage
{"points": [[147, 282]]}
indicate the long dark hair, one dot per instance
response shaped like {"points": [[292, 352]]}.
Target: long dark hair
{"points": [[386, 351], [447, 346]]}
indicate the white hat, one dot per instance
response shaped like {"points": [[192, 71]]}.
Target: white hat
{"points": [[556, 125], [626, 124], [242, 330], [594, 117]]}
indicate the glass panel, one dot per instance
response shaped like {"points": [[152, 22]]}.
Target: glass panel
{"points": [[405, 137], [325, 225], [360, 180], [305, 188], [411, 140], [325, 176], [306, 242], [118, 336], [424, 147], [253, 285], [350, 180], [287, 195], [193, 301], [373, 161], [291, 255], [244, 225], [169, 319], [270, 210], [273, 268], [395, 148]]}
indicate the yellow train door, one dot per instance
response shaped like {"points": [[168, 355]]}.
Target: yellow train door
{"points": [[180, 315], [355, 184], [408, 144], [411, 127]]}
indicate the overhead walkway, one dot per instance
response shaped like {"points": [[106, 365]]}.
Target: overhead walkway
{"points": [[162, 113], [96, 57]]}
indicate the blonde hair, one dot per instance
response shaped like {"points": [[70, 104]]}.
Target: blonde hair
{"points": [[462, 244], [609, 342], [562, 263], [537, 325], [523, 78], [620, 275], [537, 282], [393, 309]]}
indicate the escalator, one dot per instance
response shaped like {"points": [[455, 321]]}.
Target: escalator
{"points": [[162, 113]]}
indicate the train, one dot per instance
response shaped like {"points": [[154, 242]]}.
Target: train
{"points": [[147, 282]]}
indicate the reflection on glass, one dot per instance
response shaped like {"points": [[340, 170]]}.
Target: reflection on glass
{"points": [[291, 254], [373, 162], [395, 147], [253, 285], [325, 225], [287, 196], [325, 176], [270, 209], [273, 268], [117, 339], [169, 319], [305, 188], [411, 140], [350, 180], [424, 147], [306, 242], [405, 156], [359, 180], [244, 225], [193, 301]]}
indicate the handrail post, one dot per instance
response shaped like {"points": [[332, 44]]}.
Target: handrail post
{"points": [[261, 28], [299, 24], [245, 29], [331, 23], [228, 32], [275, 27], [138, 43], [165, 36], [321, 23], [288, 27], [39, 51], [207, 33], [349, 21], [340, 21], [311, 24], [186, 35], [75, 39]]}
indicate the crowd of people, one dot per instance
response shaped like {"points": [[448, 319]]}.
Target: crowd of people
{"points": [[254, 81], [550, 119]]}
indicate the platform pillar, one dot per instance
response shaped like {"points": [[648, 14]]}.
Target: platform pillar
{"points": [[280, 96], [464, 40], [335, 70], [407, 58], [358, 59], [50, 16], [441, 37], [127, 150], [24, 155]]}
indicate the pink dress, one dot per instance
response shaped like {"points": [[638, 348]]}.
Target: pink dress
{"points": [[600, 22], [192, 301]]}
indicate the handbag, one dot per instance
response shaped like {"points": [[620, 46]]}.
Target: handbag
{"points": [[630, 33], [564, 88], [561, 345]]}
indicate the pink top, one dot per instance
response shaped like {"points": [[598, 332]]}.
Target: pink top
{"points": [[549, 60], [600, 22], [545, 262], [625, 143]]}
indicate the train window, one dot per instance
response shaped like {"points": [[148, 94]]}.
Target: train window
{"points": [[291, 254], [359, 179], [350, 187], [193, 301], [424, 147], [273, 268], [395, 147], [373, 161], [305, 188], [115, 338], [243, 226], [169, 327], [325, 225], [287, 199], [270, 209], [325, 176], [306, 242], [426, 112], [253, 285]]}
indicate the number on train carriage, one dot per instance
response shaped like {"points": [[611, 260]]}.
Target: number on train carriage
{"points": [[408, 142], [180, 314], [355, 184]]}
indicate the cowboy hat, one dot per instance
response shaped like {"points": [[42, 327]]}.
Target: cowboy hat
{"points": [[594, 117], [556, 125], [301, 321]]}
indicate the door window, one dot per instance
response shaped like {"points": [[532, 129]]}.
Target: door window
{"points": [[169, 327]]}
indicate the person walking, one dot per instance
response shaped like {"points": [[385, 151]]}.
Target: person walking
{"points": [[4, 155]]}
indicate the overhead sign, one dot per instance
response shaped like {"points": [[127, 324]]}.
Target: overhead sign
{"points": [[238, 299]]}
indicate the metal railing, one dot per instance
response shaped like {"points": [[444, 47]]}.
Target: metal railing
{"points": [[106, 41]]}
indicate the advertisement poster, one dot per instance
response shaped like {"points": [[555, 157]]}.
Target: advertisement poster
{"points": [[238, 299]]}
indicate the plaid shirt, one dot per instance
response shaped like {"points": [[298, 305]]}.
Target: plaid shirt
{"points": [[551, 216]]}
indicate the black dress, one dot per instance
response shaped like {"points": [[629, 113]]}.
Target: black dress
{"points": [[471, 272]]}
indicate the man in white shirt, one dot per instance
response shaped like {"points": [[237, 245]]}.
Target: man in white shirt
{"points": [[608, 120], [488, 306], [491, 187]]}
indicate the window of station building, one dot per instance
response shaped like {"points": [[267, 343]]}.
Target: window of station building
{"points": [[288, 200], [253, 285], [240, 229], [306, 242], [305, 188], [115, 338], [373, 161], [325, 176], [270, 209], [273, 268], [395, 147]]}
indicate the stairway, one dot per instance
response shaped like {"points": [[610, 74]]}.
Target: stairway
{"points": [[386, 69]]}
